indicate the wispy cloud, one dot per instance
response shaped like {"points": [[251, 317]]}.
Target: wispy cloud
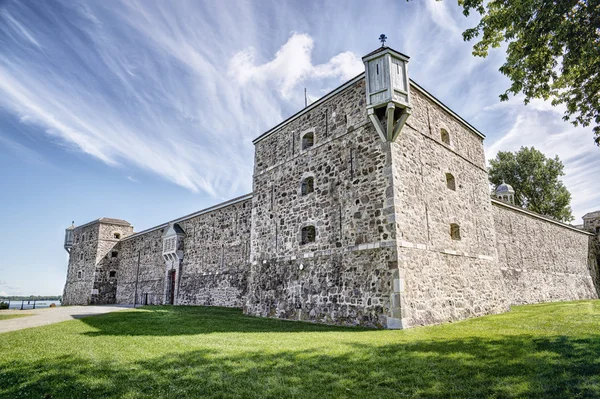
{"points": [[180, 89], [164, 102]]}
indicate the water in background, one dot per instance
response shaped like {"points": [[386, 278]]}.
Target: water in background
{"points": [[29, 304]]}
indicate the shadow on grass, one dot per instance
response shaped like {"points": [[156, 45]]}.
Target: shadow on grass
{"points": [[516, 366], [191, 320]]}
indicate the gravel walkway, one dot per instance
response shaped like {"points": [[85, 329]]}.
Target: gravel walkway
{"points": [[42, 317]]}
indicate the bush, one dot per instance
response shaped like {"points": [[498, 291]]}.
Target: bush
{"points": [[3, 305]]}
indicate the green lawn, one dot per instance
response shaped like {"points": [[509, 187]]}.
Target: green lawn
{"points": [[539, 351], [12, 316]]}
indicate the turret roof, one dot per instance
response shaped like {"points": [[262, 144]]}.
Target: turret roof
{"points": [[591, 215]]}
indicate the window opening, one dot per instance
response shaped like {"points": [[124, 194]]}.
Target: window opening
{"points": [[308, 235], [308, 185], [455, 231], [450, 182], [445, 136], [308, 140]]}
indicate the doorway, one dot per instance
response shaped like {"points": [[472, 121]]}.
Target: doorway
{"points": [[172, 287]]}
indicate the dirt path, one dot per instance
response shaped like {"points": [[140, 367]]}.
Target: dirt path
{"points": [[42, 317]]}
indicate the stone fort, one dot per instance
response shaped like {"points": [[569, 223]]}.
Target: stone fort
{"points": [[369, 207]]}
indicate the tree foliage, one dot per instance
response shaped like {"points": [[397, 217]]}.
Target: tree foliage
{"points": [[535, 179], [553, 51]]}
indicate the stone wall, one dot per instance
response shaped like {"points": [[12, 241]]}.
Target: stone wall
{"points": [[82, 265], [541, 260], [149, 277], [105, 286], [217, 251], [214, 269], [87, 274], [442, 278], [343, 277]]}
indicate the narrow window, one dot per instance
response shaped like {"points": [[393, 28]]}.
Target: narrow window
{"points": [[450, 182], [377, 67], [113, 273], [114, 254], [445, 136], [79, 274], [597, 230], [81, 256], [455, 231], [308, 185], [308, 235], [308, 140], [117, 236]]}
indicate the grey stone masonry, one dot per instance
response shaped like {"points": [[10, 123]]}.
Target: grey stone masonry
{"points": [[443, 278], [87, 274], [214, 269], [349, 226], [541, 260], [344, 276]]}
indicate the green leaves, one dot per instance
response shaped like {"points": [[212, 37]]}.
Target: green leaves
{"points": [[553, 51], [535, 179]]}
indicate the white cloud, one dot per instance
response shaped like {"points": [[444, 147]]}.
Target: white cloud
{"points": [[292, 65]]}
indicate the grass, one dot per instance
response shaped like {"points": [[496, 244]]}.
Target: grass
{"points": [[536, 351], [12, 316]]}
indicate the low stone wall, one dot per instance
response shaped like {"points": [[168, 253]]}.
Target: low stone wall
{"points": [[542, 260], [343, 288], [215, 266]]}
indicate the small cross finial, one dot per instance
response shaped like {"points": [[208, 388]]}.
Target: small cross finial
{"points": [[382, 39]]}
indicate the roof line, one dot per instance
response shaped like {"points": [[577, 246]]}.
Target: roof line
{"points": [[538, 216], [310, 107], [192, 215], [100, 221], [441, 104], [350, 83]]}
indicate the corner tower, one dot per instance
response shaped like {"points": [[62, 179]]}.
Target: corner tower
{"points": [[93, 261]]}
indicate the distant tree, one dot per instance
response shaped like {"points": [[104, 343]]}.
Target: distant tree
{"points": [[535, 179], [553, 51]]}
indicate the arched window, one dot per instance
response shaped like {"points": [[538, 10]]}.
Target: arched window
{"points": [[445, 136], [450, 182], [455, 231], [308, 235], [307, 186], [308, 140], [79, 274], [117, 236]]}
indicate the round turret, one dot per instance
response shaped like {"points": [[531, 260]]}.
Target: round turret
{"points": [[505, 192]]}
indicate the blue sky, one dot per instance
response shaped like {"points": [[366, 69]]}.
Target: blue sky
{"points": [[146, 110]]}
